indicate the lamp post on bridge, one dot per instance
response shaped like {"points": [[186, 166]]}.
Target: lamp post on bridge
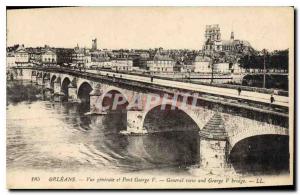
{"points": [[212, 68], [264, 81]]}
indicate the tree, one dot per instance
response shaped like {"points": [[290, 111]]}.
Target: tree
{"points": [[274, 60]]}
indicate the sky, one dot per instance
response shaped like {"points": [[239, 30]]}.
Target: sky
{"points": [[149, 27]]}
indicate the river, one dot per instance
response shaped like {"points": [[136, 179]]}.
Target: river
{"points": [[43, 134]]}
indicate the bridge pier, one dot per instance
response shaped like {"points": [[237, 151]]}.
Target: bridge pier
{"points": [[214, 146], [47, 83], [47, 88], [96, 102], [39, 80], [57, 87], [213, 155], [135, 122], [72, 93], [58, 95], [33, 77], [48, 93]]}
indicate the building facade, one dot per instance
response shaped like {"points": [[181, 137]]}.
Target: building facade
{"points": [[48, 57], [87, 60], [161, 63], [64, 56], [202, 64], [78, 57], [106, 64], [22, 57], [10, 60], [212, 39], [222, 68], [122, 64]]}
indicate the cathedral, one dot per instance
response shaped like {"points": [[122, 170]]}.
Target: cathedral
{"points": [[213, 42]]}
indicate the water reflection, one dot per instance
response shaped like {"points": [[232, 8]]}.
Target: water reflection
{"points": [[265, 154], [47, 135]]}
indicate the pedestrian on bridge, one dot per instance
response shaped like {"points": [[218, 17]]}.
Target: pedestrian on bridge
{"points": [[239, 90], [272, 99]]}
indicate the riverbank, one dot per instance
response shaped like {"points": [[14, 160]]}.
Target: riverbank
{"points": [[17, 91]]}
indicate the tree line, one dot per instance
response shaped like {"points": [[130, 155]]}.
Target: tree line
{"points": [[272, 60]]}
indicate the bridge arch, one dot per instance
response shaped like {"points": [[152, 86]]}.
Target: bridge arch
{"points": [[265, 153], [53, 78], [33, 73], [110, 102], [182, 119], [250, 141], [63, 76], [239, 128], [80, 81], [39, 74], [83, 92], [46, 75], [64, 87], [179, 134]]}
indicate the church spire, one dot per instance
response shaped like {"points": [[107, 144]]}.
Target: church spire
{"points": [[232, 35]]}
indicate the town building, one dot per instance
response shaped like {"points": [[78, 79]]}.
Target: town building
{"points": [[13, 48], [48, 57], [212, 39], [87, 59], [222, 67], [22, 57], [237, 69], [161, 63], [79, 57], [64, 56], [122, 64], [10, 60], [202, 64], [100, 59], [102, 64], [34, 55], [99, 55], [185, 68]]}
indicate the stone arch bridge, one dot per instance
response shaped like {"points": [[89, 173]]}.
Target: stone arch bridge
{"points": [[221, 124]]}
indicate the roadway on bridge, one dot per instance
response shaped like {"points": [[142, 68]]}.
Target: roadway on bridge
{"points": [[246, 95]]}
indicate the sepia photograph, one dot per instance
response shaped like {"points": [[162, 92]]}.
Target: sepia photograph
{"points": [[149, 97]]}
